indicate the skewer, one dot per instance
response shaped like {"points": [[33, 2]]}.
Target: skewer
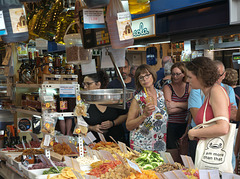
{"points": [[209, 176]]}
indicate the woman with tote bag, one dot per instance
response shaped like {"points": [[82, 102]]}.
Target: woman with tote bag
{"points": [[213, 130]]}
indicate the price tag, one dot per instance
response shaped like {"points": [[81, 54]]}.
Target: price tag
{"points": [[122, 147], [175, 174], [3, 30], [107, 155], [57, 76], [44, 159], [134, 166], [81, 121], [209, 174], [187, 161], [101, 136], [48, 98], [120, 158], [230, 176], [23, 145], [47, 140], [167, 157], [89, 138], [67, 91], [93, 18]]}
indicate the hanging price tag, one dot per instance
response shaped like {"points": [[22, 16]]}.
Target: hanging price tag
{"points": [[134, 166]]}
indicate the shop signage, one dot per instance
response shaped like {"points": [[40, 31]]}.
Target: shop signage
{"points": [[144, 27]]}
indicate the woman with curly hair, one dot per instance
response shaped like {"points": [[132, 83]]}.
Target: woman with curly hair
{"points": [[147, 119], [103, 119], [176, 94], [203, 74]]}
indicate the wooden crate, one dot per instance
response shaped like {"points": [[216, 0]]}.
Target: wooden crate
{"points": [[51, 79], [69, 79]]}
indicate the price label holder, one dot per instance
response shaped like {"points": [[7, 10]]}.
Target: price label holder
{"points": [[107, 155], [102, 138], [209, 174], [89, 138], [167, 157], [77, 174], [89, 151], [80, 145], [34, 137], [93, 18], [187, 161], [134, 166], [99, 156], [230, 176], [61, 139], [122, 147], [23, 144], [175, 174], [67, 91]]}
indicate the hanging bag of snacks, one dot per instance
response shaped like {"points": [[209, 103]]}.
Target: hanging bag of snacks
{"points": [[75, 52]]}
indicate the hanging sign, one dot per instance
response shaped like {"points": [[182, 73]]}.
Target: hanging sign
{"points": [[67, 91], [93, 18], [3, 30], [124, 26], [144, 27]]}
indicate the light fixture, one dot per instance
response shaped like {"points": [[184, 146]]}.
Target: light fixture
{"points": [[224, 49], [135, 46], [163, 42]]}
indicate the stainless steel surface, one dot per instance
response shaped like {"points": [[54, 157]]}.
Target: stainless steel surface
{"points": [[106, 96]]}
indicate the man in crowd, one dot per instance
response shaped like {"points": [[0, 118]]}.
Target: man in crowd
{"points": [[196, 100], [125, 72], [160, 72]]}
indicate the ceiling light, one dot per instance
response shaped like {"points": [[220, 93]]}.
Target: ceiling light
{"points": [[163, 42], [224, 49]]}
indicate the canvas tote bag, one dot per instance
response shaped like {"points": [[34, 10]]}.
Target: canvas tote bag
{"points": [[215, 153]]}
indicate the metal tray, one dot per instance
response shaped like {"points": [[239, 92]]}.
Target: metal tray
{"points": [[106, 96]]}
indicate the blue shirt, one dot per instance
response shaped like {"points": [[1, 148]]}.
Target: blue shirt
{"points": [[160, 74], [117, 84], [196, 98]]}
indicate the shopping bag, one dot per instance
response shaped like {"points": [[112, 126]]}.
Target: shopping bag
{"points": [[215, 153]]}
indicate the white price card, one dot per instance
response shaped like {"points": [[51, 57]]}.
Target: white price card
{"points": [[90, 138], [48, 98], [230, 176], [175, 174], [93, 18], [119, 58], [67, 91], [209, 174], [89, 68], [3, 30], [47, 140], [134, 166]]}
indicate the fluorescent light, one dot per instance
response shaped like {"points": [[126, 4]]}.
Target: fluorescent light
{"points": [[163, 42], [135, 46], [224, 49]]}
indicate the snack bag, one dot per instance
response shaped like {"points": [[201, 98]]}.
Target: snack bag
{"points": [[47, 141], [48, 126], [80, 109], [81, 127]]}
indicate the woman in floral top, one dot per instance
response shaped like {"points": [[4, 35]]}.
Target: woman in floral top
{"points": [[146, 121]]}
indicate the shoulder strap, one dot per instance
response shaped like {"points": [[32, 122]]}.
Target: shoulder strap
{"points": [[237, 96], [204, 113]]}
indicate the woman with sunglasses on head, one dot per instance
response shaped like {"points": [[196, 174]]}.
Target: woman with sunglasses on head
{"points": [[103, 119], [176, 94], [147, 119]]}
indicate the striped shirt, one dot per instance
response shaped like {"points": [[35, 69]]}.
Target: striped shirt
{"points": [[179, 117]]}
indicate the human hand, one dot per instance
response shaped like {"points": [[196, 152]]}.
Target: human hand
{"points": [[149, 108], [171, 104], [106, 124], [96, 128]]}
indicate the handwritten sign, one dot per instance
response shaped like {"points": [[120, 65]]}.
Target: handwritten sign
{"points": [[187, 161], [134, 166]]}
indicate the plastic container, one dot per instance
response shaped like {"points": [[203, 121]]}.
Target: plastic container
{"points": [[75, 52], [96, 3], [139, 6], [15, 21], [114, 7]]}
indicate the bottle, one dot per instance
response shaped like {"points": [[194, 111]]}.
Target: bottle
{"points": [[139, 6], [5, 140], [114, 7], [17, 138]]}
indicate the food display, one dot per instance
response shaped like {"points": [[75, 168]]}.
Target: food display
{"points": [[53, 170], [87, 160], [191, 173], [80, 110], [149, 160], [104, 168], [168, 167], [42, 165], [146, 174], [34, 144], [62, 149], [66, 173]]}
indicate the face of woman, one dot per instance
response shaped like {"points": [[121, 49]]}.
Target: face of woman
{"points": [[145, 79], [177, 75], [193, 80], [89, 84]]}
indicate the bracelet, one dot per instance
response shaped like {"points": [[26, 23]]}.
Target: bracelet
{"points": [[113, 123]]}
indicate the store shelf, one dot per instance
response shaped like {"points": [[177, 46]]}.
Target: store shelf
{"points": [[18, 85], [55, 85], [18, 109], [56, 114]]}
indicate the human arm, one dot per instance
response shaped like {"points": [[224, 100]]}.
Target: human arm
{"points": [[172, 107], [232, 98], [195, 101], [96, 128], [219, 103], [119, 120], [133, 119]]}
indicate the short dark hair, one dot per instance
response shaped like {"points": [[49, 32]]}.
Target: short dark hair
{"points": [[101, 76], [141, 69], [204, 69]]}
